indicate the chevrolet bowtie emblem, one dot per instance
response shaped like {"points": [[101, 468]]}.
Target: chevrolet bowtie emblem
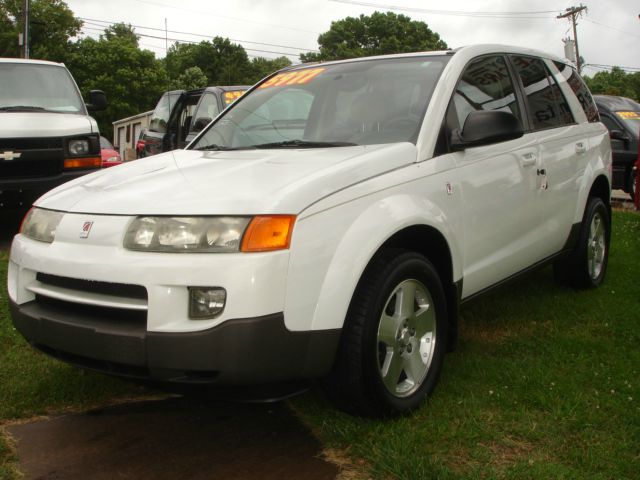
{"points": [[10, 155]]}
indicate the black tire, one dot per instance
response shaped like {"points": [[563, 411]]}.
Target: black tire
{"points": [[586, 266], [419, 343]]}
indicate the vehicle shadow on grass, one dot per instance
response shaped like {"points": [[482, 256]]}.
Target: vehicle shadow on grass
{"points": [[178, 437]]}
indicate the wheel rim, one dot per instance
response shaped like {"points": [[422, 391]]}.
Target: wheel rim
{"points": [[406, 338], [596, 248]]}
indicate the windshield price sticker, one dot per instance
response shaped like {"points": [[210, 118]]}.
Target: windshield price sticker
{"points": [[629, 115], [230, 97], [299, 77]]}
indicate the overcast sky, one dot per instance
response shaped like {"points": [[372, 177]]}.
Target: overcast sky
{"points": [[608, 34]]}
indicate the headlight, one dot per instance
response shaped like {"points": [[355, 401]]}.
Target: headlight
{"points": [[186, 234], [40, 224], [262, 233], [78, 147]]}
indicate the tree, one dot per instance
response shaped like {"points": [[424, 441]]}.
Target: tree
{"points": [[378, 34], [615, 82], [222, 62], [132, 79], [261, 67], [52, 25], [192, 78]]}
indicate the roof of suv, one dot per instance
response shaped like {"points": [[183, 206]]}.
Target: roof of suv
{"points": [[471, 50], [615, 103]]}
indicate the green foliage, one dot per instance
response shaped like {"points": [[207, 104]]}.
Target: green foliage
{"points": [[192, 78], [51, 26], [615, 82], [261, 67], [378, 34], [132, 79]]}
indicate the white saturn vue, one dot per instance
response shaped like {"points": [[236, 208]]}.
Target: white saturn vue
{"points": [[327, 225]]}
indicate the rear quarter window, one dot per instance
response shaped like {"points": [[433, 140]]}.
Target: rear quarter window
{"points": [[580, 89]]}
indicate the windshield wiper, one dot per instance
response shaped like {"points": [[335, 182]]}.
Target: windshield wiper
{"points": [[303, 144], [214, 146], [21, 108]]}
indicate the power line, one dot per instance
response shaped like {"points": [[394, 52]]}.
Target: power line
{"points": [[609, 67], [455, 13], [180, 40], [612, 28], [109, 23]]}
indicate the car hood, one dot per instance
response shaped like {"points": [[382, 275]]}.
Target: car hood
{"points": [[244, 182], [44, 124]]}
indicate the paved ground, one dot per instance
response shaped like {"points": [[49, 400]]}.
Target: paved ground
{"points": [[172, 439]]}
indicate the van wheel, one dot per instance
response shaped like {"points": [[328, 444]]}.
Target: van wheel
{"points": [[586, 265], [394, 338]]}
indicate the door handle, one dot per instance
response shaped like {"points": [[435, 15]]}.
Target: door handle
{"points": [[581, 147], [528, 159]]}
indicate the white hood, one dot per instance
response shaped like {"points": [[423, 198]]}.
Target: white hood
{"points": [[244, 182], [43, 124]]}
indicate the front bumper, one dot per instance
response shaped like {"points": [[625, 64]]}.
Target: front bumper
{"points": [[249, 351]]}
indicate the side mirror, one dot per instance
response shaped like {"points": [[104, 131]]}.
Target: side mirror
{"points": [[200, 123], [619, 135], [97, 101], [484, 127]]}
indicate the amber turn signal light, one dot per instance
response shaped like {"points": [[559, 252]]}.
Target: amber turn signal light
{"points": [[88, 162], [268, 232]]}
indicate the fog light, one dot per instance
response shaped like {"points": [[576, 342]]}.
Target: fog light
{"points": [[206, 302]]}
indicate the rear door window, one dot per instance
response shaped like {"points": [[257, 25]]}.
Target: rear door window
{"points": [[547, 105]]}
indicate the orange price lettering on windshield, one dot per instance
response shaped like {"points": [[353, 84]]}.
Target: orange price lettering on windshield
{"points": [[298, 77], [629, 115], [230, 97]]}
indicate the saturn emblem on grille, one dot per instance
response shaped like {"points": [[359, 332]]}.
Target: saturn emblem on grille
{"points": [[8, 155], [86, 228]]}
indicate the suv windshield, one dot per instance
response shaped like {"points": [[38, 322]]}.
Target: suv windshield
{"points": [[33, 87], [631, 119], [355, 103]]}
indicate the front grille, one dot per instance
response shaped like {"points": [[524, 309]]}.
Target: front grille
{"points": [[39, 157], [105, 315], [91, 286], [118, 318]]}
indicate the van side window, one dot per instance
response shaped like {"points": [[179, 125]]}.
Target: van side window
{"points": [[547, 106], [485, 85]]}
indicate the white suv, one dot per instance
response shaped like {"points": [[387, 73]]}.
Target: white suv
{"points": [[328, 224]]}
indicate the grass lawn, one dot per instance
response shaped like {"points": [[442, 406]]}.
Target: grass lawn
{"points": [[545, 384]]}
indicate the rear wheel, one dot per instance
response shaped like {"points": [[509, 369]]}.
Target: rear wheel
{"points": [[394, 337], [586, 266]]}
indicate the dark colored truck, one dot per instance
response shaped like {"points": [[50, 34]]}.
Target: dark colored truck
{"points": [[181, 114], [621, 116]]}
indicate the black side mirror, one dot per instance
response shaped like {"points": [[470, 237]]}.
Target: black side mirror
{"points": [[97, 101], [484, 127], [619, 135], [200, 123]]}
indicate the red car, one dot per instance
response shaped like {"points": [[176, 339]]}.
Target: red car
{"points": [[110, 156]]}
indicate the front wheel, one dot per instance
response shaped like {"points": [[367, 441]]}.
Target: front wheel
{"points": [[631, 184], [586, 265], [394, 337]]}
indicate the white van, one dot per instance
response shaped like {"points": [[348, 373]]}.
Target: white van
{"points": [[328, 224], [46, 134]]}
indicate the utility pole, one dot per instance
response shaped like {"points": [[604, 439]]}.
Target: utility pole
{"points": [[166, 37], [25, 35], [574, 12]]}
